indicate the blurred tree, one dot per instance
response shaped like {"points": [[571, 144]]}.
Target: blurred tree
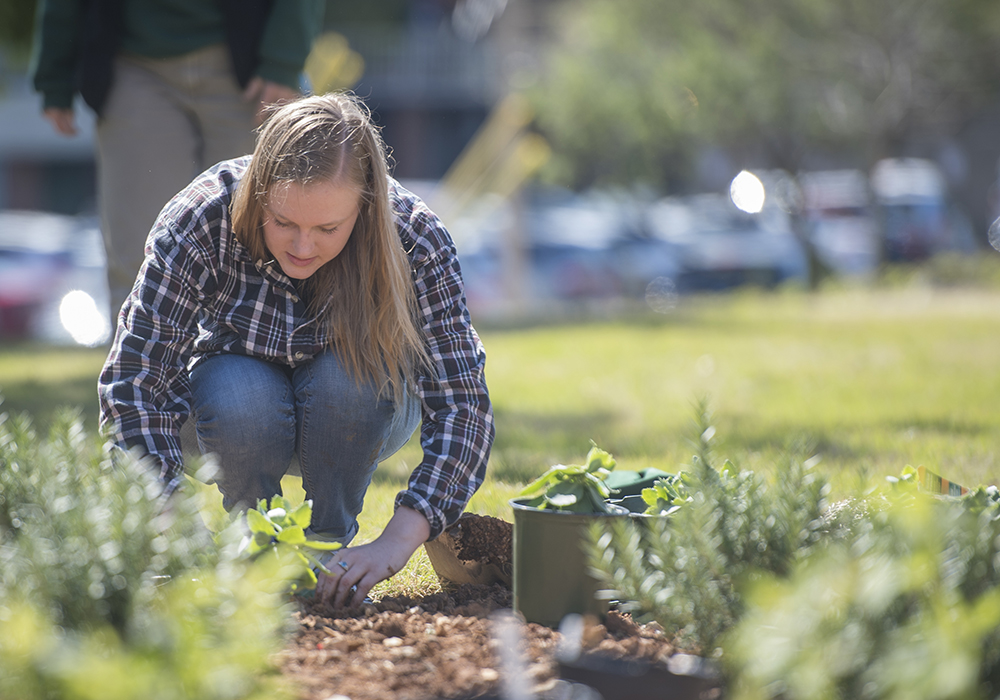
{"points": [[17, 18], [634, 87]]}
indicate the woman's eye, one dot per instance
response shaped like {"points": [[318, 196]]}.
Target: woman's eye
{"points": [[329, 230], [282, 224]]}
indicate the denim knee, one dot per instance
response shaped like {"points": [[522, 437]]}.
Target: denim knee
{"points": [[343, 425], [244, 413]]}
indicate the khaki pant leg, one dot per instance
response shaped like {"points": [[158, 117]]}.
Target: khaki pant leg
{"points": [[165, 121], [224, 119]]}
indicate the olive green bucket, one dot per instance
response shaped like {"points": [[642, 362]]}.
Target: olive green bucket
{"points": [[550, 564]]}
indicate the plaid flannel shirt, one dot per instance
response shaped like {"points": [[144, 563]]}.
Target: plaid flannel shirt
{"points": [[200, 294]]}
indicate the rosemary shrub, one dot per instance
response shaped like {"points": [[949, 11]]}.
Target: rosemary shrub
{"points": [[106, 593]]}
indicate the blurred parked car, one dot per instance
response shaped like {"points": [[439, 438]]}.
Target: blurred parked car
{"points": [[52, 279], [721, 246], [837, 206], [912, 197], [568, 239], [556, 246]]}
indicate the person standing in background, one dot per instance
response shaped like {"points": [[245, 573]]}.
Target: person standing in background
{"points": [[177, 86]]}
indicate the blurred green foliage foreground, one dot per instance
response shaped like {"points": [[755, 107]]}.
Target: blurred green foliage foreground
{"points": [[891, 593], [104, 594]]}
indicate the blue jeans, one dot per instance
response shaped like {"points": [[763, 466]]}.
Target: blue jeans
{"points": [[255, 416]]}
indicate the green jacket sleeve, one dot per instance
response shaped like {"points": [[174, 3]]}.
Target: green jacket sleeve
{"points": [[54, 51], [288, 38]]}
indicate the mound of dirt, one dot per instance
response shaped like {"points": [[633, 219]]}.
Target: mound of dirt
{"points": [[484, 538], [477, 549]]}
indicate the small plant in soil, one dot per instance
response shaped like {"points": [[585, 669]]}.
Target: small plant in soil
{"points": [[280, 530], [577, 488], [666, 495]]}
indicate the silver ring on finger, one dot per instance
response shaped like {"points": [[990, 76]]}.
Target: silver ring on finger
{"points": [[343, 565]]}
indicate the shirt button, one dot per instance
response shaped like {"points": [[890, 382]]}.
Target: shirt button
{"points": [[299, 356]]}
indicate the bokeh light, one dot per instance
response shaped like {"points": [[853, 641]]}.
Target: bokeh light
{"points": [[661, 295], [995, 234], [747, 192], [81, 318]]}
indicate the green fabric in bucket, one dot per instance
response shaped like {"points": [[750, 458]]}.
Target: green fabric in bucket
{"points": [[631, 483]]}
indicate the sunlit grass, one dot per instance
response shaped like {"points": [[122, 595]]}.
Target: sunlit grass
{"points": [[39, 380], [869, 380]]}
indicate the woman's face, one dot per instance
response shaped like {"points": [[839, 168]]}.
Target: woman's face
{"points": [[306, 226]]}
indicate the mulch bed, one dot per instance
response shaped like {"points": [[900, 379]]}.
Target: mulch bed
{"points": [[442, 646], [448, 645]]}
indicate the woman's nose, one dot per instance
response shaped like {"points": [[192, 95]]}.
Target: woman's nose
{"points": [[301, 244]]}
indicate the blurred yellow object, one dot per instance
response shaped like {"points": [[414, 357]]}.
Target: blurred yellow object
{"points": [[499, 159], [929, 481], [332, 64]]}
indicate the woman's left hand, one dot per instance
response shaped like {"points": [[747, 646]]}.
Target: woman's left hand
{"points": [[365, 565]]}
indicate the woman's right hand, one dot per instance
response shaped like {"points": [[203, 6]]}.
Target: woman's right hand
{"points": [[62, 120], [354, 570]]}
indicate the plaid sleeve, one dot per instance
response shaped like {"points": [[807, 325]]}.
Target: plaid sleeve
{"points": [[457, 431], [143, 388]]}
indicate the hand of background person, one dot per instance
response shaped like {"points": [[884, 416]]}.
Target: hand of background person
{"points": [[62, 120], [365, 565], [265, 93]]}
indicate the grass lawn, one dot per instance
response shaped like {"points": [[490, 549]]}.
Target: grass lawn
{"points": [[869, 381]]}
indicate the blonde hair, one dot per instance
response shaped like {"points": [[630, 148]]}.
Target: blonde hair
{"points": [[365, 295]]}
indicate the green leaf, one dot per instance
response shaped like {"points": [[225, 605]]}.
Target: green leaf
{"points": [[666, 496], [302, 515], [598, 485], [596, 504], [650, 496], [550, 477], [565, 494], [536, 502], [574, 487], [277, 516], [562, 500], [258, 543], [258, 522], [598, 459], [292, 535], [322, 545]]}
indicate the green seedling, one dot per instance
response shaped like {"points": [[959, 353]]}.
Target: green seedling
{"points": [[666, 496], [574, 488], [281, 529]]}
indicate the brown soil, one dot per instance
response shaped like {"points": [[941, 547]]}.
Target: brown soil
{"points": [[484, 539], [442, 646], [446, 645]]}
